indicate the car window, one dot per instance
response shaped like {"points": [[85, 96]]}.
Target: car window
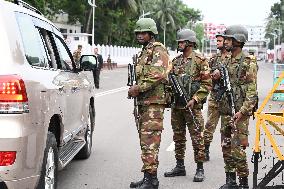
{"points": [[65, 59], [47, 38], [34, 48]]}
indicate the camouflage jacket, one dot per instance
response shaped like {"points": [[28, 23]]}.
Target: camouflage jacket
{"points": [[253, 62], [215, 62], [243, 82], [77, 56], [194, 74], [152, 74]]}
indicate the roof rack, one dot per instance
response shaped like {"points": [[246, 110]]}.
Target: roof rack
{"points": [[27, 6]]}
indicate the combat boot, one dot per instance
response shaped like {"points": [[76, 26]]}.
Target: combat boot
{"points": [[230, 181], [179, 169], [207, 157], [243, 183], [199, 175], [154, 181]]}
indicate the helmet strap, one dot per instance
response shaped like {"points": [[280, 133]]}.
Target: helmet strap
{"points": [[187, 45]]}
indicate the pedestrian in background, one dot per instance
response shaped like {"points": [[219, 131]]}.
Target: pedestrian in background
{"points": [[109, 65], [97, 70]]}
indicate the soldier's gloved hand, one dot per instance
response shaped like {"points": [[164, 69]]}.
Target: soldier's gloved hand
{"points": [[190, 104], [133, 91], [237, 117], [216, 75]]}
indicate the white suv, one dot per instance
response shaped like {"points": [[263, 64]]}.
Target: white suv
{"points": [[47, 107]]}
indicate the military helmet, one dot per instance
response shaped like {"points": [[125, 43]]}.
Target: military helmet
{"points": [[146, 25], [251, 51], [238, 32], [219, 34], [186, 35]]}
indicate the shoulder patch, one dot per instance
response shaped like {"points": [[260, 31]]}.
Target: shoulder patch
{"points": [[200, 57], [155, 44]]}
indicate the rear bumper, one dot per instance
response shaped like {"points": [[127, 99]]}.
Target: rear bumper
{"points": [[18, 133], [24, 183]]}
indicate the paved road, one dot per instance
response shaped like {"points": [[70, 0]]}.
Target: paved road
{"points": [[115, 161]]}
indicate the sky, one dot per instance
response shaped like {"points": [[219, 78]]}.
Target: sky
{"points": [[229, 12]]}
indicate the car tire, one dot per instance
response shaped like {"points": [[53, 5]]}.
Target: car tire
{"points": [[86, 151], [48, 176]]}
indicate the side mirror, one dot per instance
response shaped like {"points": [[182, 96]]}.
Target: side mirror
{"points": [[88, 62]]}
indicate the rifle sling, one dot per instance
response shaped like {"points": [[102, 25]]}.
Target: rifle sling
{"points": [[189, 70]]}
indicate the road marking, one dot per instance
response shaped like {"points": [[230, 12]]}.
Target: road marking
{"points": [[111, 91], [171, 147]]}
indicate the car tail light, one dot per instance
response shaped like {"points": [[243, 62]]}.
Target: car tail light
{"points": [[13, 95], [7, 158]]}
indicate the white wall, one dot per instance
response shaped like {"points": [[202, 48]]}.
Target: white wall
{"points": [[119, 54]]}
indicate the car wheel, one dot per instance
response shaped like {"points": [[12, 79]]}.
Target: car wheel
{"points": [[48, 176], [86, 151]]}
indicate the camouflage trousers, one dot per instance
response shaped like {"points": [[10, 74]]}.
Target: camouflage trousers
{"points": [[234, 143], [151, 126], [213, 117], [180, 118]]}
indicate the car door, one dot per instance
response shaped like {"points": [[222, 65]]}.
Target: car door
{"points": [[74, 86]]}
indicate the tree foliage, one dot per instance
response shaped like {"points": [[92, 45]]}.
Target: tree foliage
{"points": [[115, 19], [275, 23]]}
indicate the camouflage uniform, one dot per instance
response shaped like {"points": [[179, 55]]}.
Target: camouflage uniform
{"points": [[234, 141], [213, 114], [152, 70], [109, 65], [195, 67], [76, 57]]}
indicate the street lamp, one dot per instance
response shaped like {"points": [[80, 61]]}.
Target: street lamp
{"points": [[165, 26], [279, 32], [274, 37], [93, 4]]}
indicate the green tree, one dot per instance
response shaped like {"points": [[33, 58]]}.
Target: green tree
{"points": [[165, 14], [199, 30], [115, 19], [47, 8], [171, 15], [275, 22]]}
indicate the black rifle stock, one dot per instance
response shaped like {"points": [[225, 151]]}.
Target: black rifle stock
{"points": [[180, 91], [131, 80]]}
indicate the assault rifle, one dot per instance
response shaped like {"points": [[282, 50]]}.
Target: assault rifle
{"points": [[131, 81], [180, 91], [226, 88]]}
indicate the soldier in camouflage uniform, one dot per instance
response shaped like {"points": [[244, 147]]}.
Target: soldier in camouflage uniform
{"points": [[213, 114], [194, 75], [151, 70], [77, 55], [234, 130], [253, 62], [252, 54]]}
